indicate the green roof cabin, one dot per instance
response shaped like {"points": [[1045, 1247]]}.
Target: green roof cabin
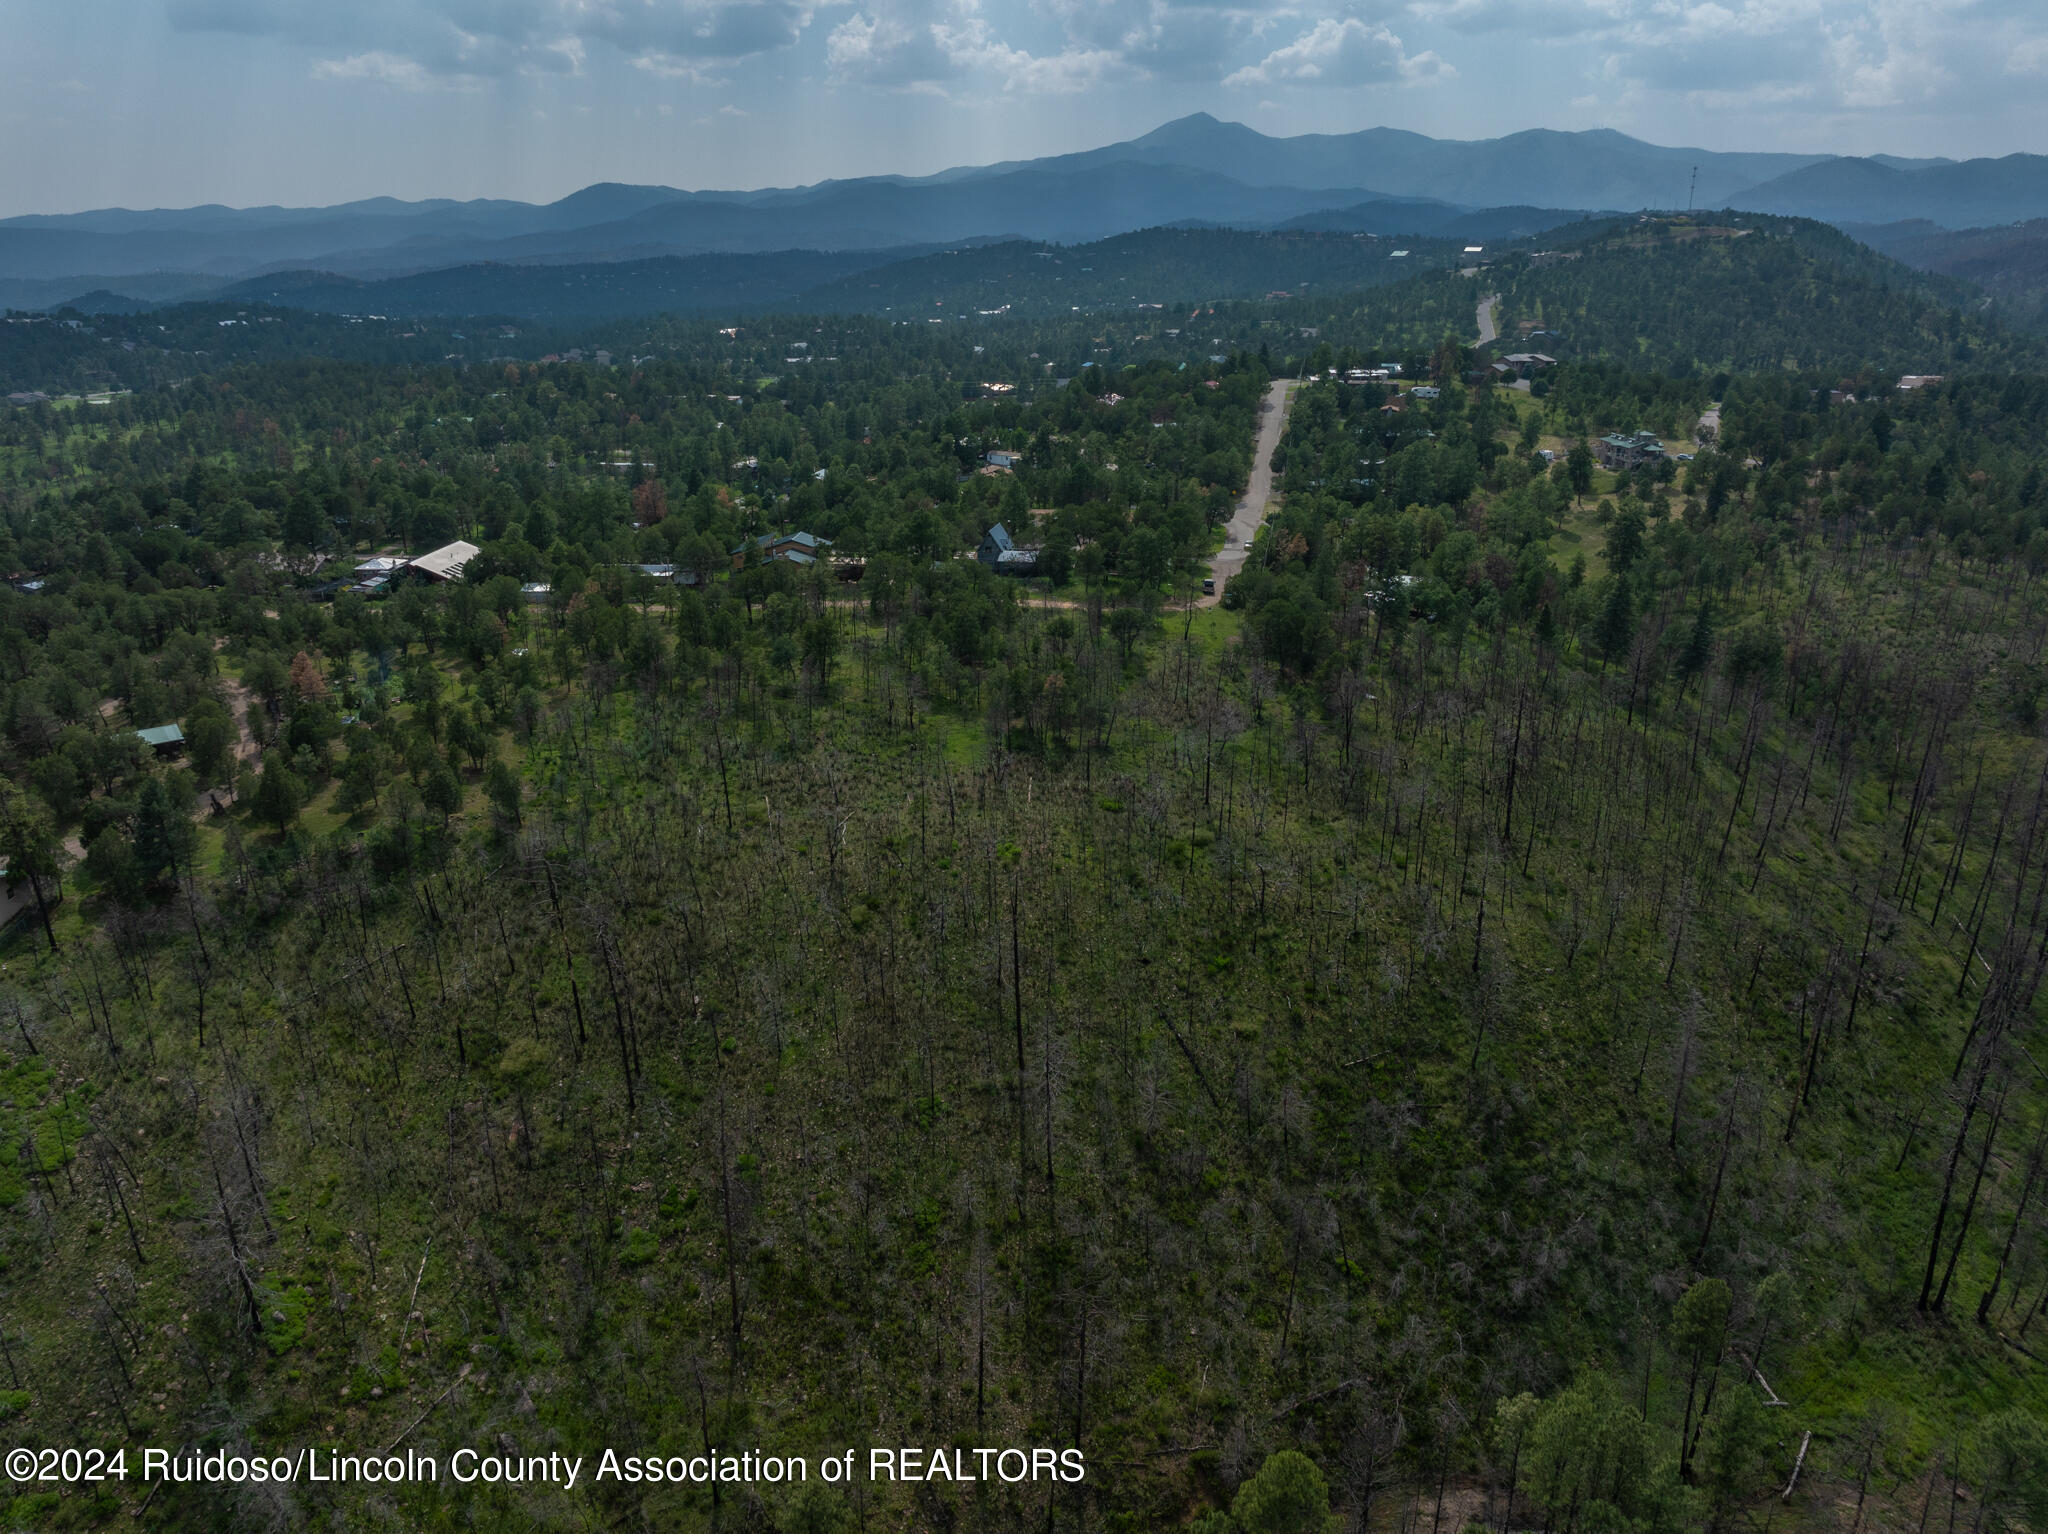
{"points": [[164, 739]]}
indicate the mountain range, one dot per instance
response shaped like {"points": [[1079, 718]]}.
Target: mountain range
{"points": [[1196, 171]]}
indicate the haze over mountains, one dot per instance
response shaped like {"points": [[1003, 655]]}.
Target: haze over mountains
{"points": [[1194, 171]]}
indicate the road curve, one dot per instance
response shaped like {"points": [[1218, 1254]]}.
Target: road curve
{"points": [[1487, 334], [1253, 505]]}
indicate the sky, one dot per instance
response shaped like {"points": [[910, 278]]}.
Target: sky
{"points": [[168, 103]]}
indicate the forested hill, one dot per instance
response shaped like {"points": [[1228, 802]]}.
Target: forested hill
{"points": [[1155, 268], [1733, 291], [69, 352]]}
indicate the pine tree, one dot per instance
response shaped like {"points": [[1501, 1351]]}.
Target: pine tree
{"points": [[1699, 645], [1617, 620]]}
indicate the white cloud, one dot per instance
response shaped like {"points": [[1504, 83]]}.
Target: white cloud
{"points": [[384, 68], [1342, 53], [495, 37], [971, 46], [929, 45]]}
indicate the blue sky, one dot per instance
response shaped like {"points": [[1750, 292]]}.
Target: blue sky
{"points": [[151, 103]]}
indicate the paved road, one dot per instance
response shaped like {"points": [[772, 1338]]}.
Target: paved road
{"points": [[1487, 334], [1254, 503]]}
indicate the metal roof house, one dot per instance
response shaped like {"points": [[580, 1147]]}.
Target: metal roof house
{"points": [[446, 562], [163, 739], [998, 551], [1627, 452]]}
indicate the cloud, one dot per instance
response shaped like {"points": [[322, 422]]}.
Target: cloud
{"points": [[1535, 20], [929, 45], [1180, 40], [1342, 53], [496, 37], [385, 68], [971, 47]]}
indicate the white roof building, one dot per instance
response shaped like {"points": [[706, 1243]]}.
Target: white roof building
{"points": [[446, 562]]}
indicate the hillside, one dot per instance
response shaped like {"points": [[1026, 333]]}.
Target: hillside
{"points": [[1154, 268], [1730, 292], [563, 294], [2009, 262], [1859, 191]]}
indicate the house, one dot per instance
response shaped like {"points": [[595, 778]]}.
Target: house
{"points": [[999, 552], [1618, 451], [792, 548], [999, 459], [536, 591], [1426, 391], [382, 564], [164, 739], [1530, 362], [445, 563], [1920, 380]]}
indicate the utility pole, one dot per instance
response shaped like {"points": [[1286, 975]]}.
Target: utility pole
{"points": [[1690, 190]]}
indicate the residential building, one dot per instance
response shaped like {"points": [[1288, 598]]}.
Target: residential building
{"points": [[445, 563], [1619, 451], [792, 548], [999, 552]]}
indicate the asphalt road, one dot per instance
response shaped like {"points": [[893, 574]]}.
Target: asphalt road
{"points": [[1254, 503]]}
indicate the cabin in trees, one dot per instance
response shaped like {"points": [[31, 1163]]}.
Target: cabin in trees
{"points": [[1630, 450], [999, 552], [793, 548], [163, 739]]}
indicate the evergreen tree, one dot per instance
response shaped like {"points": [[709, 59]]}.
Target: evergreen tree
{"points": [[502, 784], [1287, 1496], [1617, 624], [29, 844], [1699, 644], [280, 793]]}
